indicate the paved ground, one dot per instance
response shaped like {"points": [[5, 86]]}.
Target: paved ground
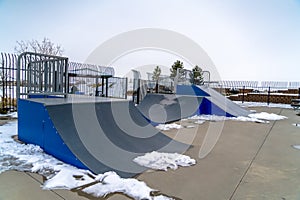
{"points": [[249, 161]]}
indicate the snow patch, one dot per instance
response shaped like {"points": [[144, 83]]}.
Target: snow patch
{"points": [[199, 122], [166, 127], [267, 116], [163, 161], [255, 117], [298, 125], [296, 146], [248, 119], [208, 118], [100, 185]]}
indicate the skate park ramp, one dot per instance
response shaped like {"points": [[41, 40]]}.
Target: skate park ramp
{"points": [[214, 102], [98, 134], [166, 108]]}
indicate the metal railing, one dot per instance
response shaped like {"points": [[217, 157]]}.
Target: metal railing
{"points": [[8, 82], [87, 79], [41, 74], [46, 74]]}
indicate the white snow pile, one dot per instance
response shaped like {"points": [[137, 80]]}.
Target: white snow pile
{"points": [[255, 117], [267, 116], [166, 127], [21, 157], [163, 161], [296, 146], [71, 178]]}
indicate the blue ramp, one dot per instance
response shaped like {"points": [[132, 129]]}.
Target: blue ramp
{"points": [[214, 102], [98, 134]]}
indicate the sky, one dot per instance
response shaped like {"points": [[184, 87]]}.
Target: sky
{"points": [[245, 39]]}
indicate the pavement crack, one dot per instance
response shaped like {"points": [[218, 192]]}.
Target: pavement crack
{"points": [[253, 159]]}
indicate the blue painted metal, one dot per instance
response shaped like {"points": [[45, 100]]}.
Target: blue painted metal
{"points": [[36, 127], [190, 90], [206, 107], [209, 108]]}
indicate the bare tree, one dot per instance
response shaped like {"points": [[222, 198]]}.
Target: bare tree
{"points": [[44, 47]]}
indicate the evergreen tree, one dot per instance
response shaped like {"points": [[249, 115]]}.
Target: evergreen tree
{"points": [[177, 65], [196, 75], [156, 73]]}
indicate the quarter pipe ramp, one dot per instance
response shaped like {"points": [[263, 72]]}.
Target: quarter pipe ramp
{"points": [[98, 134]]}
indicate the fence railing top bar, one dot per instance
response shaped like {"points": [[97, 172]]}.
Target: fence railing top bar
{"points": [[41, 55], [45, 60], [82, 67]]}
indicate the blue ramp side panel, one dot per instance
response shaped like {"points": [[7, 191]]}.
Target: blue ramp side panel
{"points": [[214, 103], [192, 90], [209, 108], [36, 127]]}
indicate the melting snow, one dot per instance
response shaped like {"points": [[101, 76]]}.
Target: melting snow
{"points": [[71, 178], [255, 117], [267, 116], [204, 118], [298, 125], [166, 127], [296, 146], [163, 161], [199, 121]]}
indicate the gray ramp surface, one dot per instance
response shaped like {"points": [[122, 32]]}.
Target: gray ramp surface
{"points": [[108, 135], [224, 103], [165, 108]]}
